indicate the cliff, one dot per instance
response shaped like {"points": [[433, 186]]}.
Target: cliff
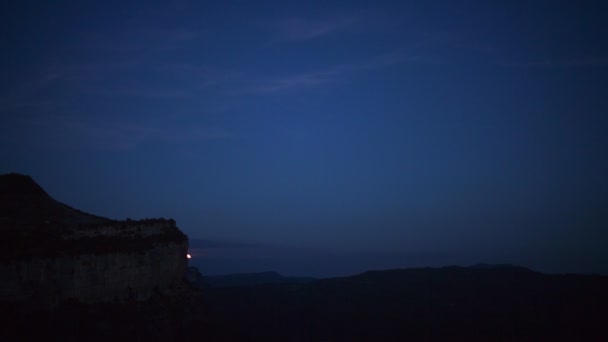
{"points": [[52, 253]]}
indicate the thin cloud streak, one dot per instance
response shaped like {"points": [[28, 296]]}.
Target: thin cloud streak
{"points": [[301, 29], [137, 40], [175, 81], [20, 96], [74, 132], [141, 90], [331, 74]]}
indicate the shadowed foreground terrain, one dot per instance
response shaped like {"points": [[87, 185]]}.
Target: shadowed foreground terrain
{"points": [[507, 303]]}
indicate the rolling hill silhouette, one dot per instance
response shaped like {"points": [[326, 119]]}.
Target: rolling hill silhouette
{"points": [[473, 303]]}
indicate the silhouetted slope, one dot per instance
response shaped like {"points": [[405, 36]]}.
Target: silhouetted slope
{"points": [[26, 207]]}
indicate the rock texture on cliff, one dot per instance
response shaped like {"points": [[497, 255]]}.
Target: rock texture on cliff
{"points": [[50, 252]]}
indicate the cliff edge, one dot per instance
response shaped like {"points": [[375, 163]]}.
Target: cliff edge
{"points": [[52, 253]]}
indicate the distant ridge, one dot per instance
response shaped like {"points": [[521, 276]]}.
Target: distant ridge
{"points": [[484, 266], [253, 279], [404, 274], [422, 304], [271, 277]]}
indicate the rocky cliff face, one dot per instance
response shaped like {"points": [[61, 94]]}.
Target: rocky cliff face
{"points": [[50, 253], [112, 276]]}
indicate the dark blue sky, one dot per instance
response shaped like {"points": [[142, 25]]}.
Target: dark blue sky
{"points": [[321, 137]]}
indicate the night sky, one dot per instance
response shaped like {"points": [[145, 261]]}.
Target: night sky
{"points": [[321, 138]]}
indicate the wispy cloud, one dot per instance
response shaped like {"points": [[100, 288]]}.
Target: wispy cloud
{"points": [[177, 81], [145, 91], [76, 132], [138, 39], [271, 85], [327, 75], [303, 29], [20, 96]]}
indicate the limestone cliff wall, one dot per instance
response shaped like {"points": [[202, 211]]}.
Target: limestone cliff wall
{"points": [[89, 278], [108, 262], [51, 252]]}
